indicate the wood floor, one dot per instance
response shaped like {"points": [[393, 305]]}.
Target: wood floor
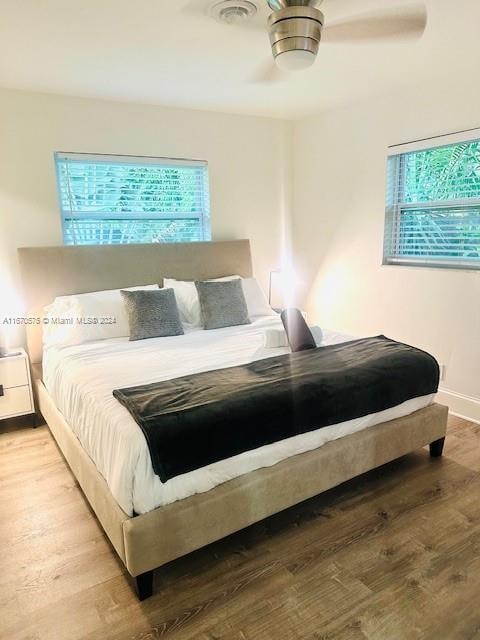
{"points": [[393, 555]]}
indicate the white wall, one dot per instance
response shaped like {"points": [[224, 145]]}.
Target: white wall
{"points": [[248, 162], [338, 170], [339, 191]]}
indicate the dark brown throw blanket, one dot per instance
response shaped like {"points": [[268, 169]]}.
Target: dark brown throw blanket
{"points": [[195, 420]]}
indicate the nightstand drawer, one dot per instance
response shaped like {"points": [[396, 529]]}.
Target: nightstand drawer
{"points": [[13, 372], [15, 401]]}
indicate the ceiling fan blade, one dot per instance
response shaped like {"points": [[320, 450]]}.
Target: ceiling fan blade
{"points": [[268, 73], [394, 24]]}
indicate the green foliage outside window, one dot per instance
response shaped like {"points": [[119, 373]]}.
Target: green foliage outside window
{"points": [[112, 203], [433, 205]]}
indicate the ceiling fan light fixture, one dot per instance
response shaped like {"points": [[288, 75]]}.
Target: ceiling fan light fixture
{"points": [[295, 33], [295, 60]]}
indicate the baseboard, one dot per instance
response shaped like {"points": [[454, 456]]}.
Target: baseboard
{"points": [[460, 405]]}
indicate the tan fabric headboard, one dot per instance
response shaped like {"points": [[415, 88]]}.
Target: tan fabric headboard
{"points": [[48, 272]]}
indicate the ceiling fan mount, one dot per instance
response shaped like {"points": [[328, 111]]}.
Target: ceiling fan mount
{"points": [[277, 5]]}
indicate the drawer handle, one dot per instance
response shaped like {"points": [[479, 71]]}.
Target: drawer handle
{"points": [[1, 391]]}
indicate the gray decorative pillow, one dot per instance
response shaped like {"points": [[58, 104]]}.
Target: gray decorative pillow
{"points": [[222, 304], [152, 313]]}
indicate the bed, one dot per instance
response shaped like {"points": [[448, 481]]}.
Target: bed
{"points": [[148, 522]]}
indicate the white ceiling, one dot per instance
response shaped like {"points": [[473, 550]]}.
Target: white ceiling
{"points": [[154, 51]]}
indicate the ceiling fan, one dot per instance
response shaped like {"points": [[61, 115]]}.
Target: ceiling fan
{"points": [[296, 27]]}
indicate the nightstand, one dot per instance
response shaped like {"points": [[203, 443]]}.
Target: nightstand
{"points": [[16, 397]]}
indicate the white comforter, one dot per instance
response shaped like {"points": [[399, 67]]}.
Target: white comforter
{"points": [[81, 379]]}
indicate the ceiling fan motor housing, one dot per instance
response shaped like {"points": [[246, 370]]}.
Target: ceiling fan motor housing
{"points": [[295, 28]]}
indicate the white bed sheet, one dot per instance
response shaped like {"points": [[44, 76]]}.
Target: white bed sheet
{"points": [[80, 379]]}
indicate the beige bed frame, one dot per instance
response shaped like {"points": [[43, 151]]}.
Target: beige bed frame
{"points": [[148, 541]]}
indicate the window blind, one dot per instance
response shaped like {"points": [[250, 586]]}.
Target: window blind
{"points": [[122, 199], [433, 206]]}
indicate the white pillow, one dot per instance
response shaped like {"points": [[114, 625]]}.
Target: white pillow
{"points": [[85, 317], [189, 305], [257, 302], [187, 300]]}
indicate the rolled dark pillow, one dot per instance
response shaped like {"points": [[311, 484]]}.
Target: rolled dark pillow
{"points": [[299, 335]]}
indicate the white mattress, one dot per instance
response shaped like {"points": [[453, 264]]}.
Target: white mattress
{"points": [[81, 379]]}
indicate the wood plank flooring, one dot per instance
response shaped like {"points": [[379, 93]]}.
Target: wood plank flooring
{"points": [[390, 556]]}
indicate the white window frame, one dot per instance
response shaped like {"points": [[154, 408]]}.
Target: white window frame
{"points": [[394, 209], [204, 218]]}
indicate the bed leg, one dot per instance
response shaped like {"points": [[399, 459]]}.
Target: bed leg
{"points": [[144, 584], [436, 448], [35, 420]]}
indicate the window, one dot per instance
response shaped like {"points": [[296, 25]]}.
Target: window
{"points": [[433, 205], [123, 200]]}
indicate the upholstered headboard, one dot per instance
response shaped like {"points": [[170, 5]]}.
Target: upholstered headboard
{"points": [[48, 272]]}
